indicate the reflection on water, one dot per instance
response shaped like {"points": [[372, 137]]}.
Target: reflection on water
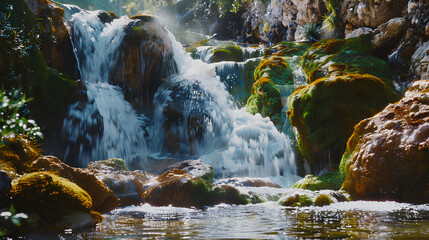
{"points": [[375, 220]]}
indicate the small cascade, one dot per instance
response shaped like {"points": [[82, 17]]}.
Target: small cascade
{"points": [[102, 124], [235, 142], [237, 77]]}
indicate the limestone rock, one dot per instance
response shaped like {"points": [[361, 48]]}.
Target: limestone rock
{"points": [[248, 182], [420, 62], [359, 32], [387, 157], [388, 36], [103, 199], [370, 13]]}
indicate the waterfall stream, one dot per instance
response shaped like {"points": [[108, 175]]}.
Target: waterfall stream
{"points": [[194, 116]]}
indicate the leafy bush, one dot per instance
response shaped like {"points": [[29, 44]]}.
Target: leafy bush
{"points": [[13, 116]]}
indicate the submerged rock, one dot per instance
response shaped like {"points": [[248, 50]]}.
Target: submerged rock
{"points": [[103, 199], [387, 155], [59, 203], [306, 198], [325, 112]]}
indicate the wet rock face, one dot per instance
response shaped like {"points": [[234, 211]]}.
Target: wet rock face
{"points": [[103, 199], [145, 60], [56, 44], [420, 62], [176, 187], [372, 13], [387, 155], [388, 36], [128, 186]]}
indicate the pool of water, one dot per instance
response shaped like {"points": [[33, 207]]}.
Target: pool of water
{"points": [[375, 220]]}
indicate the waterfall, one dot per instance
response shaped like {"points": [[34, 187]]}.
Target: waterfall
{"points": [[235, 142], [102, 124], [193, 114]]}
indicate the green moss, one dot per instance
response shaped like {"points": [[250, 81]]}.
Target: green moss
{"points": [[325, 111], [286, 49], [17, 154], [265, 99], [50, 196], [192, 48], [208, 176], [353, 54], [298, 201], [113, 164], [330, 180], [228, 53], [322, 200]]}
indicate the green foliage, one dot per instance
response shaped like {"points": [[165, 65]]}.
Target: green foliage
{"points": [[311, 32], [10, 220], [13, 112]]}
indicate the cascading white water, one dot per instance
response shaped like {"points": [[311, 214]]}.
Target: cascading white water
{"points": [[102, 125], [253, 147]]}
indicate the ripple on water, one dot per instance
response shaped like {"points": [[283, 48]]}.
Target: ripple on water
{"points": [[360, 219]]}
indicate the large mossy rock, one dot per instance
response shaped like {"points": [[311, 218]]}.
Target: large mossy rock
{"points": [[387, 156], [275, 70], [145, 59], [55, 200], [17, 155], [103, 199], [228, 53], [342, 56], [325, 112], [175, 187]]}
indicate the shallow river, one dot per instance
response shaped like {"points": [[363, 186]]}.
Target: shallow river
{"points": [[375, 220]]}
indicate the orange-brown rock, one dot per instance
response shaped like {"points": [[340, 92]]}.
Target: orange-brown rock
{"points": [[103, 199], [175, 187], [56, 44], [387, 156], [145, 59], [128, 186]]}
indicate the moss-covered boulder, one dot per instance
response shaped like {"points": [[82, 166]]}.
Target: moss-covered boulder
{"points": [[145, 59], [342, 56], [17, 155], [103, 199], [265, 99], [175, 187], [227, 53], [55, 200], [275, 70], [387, 155], [325, 112], [306, 198]]}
